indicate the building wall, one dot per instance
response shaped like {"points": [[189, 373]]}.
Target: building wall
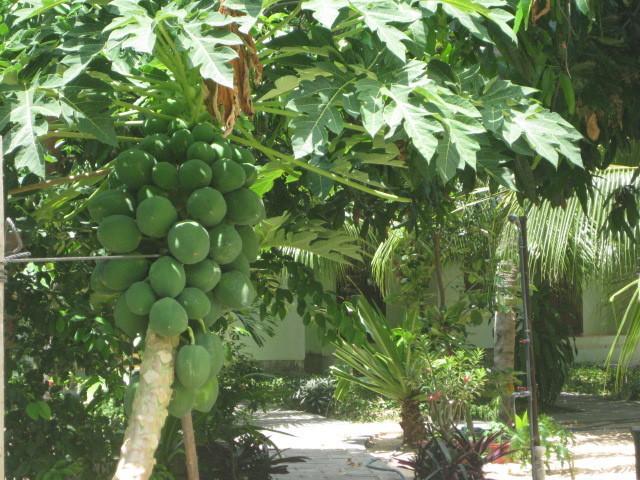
{"points": [[285, 350], [300, 347]]}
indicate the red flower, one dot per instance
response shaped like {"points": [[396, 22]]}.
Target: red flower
{"points": [[434, 397]]}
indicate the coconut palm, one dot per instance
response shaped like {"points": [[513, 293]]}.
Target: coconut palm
{"points": [[576, 244], [572, 244]]}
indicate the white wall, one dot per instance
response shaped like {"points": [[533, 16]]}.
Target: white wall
{"points": [[288, 343], [597, 318], [293, 340]]}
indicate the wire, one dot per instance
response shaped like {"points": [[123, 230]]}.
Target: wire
{"points": [[20, 258]]}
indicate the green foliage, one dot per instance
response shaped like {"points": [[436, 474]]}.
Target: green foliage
{"points": [[553, 437], [602, 381], [452, 383], [390, 363], [455, 455], [401, 364], [374, 73], [315, 395], [574, 242], [553, 339]]}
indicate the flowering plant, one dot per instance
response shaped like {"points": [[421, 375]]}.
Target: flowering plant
{"points": [[451, 382]]}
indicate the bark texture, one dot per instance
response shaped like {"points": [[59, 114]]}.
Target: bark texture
{"points": [[190, 452], [149, 412], [437, 260], [412, 422], [504, 335]]}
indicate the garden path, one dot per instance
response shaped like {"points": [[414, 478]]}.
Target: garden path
{"points": [[336, 449], [344, 450]]}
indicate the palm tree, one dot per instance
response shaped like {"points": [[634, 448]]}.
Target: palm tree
{"points": [[572, 244], [389, 364], [575, 244]]}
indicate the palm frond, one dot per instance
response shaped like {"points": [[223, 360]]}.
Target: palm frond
{"points": [[327, 251], [382, 261], [383, 364], [570, 243], [628, 334]]}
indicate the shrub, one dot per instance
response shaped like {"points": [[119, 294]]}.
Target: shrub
{"points": [[315, 395], [598, 380], [553, 437], [452, 382], [454, 455]]}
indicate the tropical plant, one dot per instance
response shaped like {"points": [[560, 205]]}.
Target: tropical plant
{"points": [[451, 382], [554, 319], [573, 245], [79, 76], [388, 362], [315, 395], [553, 437], [628, 335], [457, 456], [249, 456]]}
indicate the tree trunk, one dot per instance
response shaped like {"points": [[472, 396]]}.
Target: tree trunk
{"points": [[149, 412], [190, 452], [412, 422], [504, 335], [437, 260]]}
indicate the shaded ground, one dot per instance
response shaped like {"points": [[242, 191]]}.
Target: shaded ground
{"points": [[336, 449], [343, 450]]}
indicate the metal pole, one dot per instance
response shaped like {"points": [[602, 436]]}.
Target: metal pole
{"points": [[635, 432], [2, 278], [537, 453]]}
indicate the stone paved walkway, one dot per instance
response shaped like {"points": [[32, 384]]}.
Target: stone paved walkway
{"points": [[603, 449], [336, 449]]}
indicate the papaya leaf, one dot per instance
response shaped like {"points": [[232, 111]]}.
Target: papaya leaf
{"points": [[310, 236], [36, 8], [133, 28], [268, 175], [544, 133], [371, 105], [417, 122], [209, 53], [27, 119], [457, 149], [89, 114], [379, 16], [325, 12], [317, 101], [282, 85], [251, 9], [473, 14]]}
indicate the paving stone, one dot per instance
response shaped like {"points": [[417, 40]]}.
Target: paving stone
{"points": [[335, 448]]}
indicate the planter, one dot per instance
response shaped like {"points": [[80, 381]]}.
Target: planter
{"points": [[501, 450]]}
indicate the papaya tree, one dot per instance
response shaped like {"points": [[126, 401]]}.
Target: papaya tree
{"points": [[360, 100]]}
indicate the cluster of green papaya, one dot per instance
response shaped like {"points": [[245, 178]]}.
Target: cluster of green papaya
{"points": [[183, 193]]}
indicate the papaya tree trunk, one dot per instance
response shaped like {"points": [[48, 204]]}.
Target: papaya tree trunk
{"points": [[149, 411], [190, 452], [437, 260], [412, 422], [504, 338]]}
